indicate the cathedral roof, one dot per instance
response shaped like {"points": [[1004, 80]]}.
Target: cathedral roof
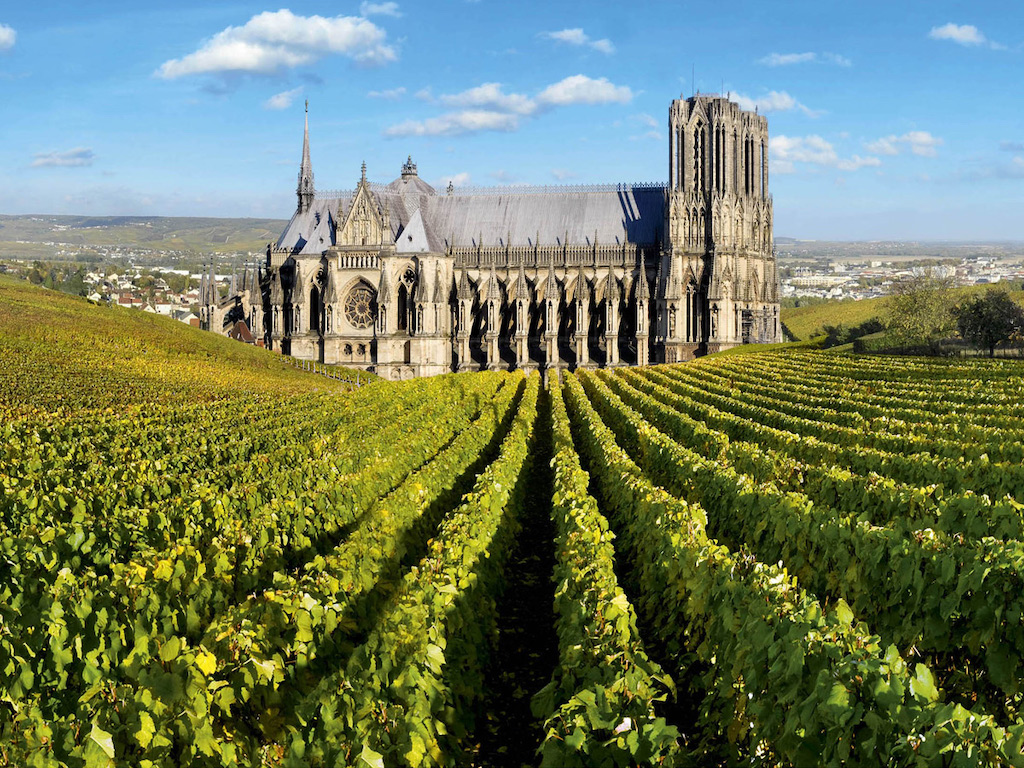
{"points": [[493, 217], [413, 237], [311, 231]]}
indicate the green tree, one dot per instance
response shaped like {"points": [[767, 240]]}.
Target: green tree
{"points": [[991, 319], [920, 311]]}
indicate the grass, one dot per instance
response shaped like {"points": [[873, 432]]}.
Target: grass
{"points": [[64, 353], [807, 322]]}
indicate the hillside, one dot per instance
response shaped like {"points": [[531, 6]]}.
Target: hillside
{"points": [[233, 562], [806, 322], [28, 233], [63, 352]]}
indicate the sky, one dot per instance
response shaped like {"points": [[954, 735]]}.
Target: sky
{"points": [[887, 120]]}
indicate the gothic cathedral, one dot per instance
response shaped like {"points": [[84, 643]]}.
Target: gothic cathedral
{"points": [[407, 281]]}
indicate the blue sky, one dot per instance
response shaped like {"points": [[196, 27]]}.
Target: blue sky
{"points": [[888, 120]]}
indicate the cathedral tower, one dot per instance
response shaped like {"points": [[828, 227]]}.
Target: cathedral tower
{"points": [[719, 264]]}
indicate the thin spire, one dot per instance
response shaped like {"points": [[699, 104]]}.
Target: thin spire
{"points": [[643, 290], [306, 190], [522, 291], [493, 293]]}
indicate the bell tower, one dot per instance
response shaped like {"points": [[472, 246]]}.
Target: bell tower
{"points": [[719, 258]]}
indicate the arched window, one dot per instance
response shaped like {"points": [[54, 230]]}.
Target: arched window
{"points": [[735, 162], [698, 149], [403, 308], [764, 171], [314, 309]]}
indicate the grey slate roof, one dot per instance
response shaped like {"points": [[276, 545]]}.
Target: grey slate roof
{"points": [[492, 218], [311, 231]]}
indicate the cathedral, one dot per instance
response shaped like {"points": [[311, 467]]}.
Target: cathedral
{"points": [[404, 280]]}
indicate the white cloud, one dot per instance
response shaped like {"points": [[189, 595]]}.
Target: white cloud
{"points": [[580, 89], [379, 9], [272, 41], [856, 161], [457, 123], [773, 101], [784, 59], [392, 94], [920, 143], [1011, 146], [577, 36], [282, 100], [649, 120], [490, 96], [487, 108], [7, 37], [456, 180], [964, 34], [786, 151], [425, 94], [73, 158], [502, 176], [562, 174], [837, 59]]}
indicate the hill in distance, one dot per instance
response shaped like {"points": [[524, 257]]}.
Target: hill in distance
{"points": [[153, 232]]}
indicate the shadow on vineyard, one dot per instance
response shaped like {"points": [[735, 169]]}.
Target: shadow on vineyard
{"points": [[411, 547], [507, 734]]}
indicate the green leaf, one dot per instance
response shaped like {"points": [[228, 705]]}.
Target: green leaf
{"points": [[843, 612], [144, 734], [923, 684], [104, 739], [169, 650], [575, 739], [206, 662], [370, 759]]}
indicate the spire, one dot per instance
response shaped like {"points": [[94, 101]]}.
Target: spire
{"points": [[611, 292], [672, 287], [493, 293], [522, 291], [423, 289], [211, 287], [362, 180], [581, 283], [465, 291], [233, 289], [305, 189], [643, 290]]}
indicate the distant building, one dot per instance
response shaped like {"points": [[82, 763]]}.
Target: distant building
{"points": [[408, 281]]}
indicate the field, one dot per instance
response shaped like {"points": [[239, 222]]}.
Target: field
{"points": [[787, 558], [24, 236], [809, 321]]}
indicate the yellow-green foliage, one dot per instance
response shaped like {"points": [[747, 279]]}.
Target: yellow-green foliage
{"points": [[807, 322], [59, 352]]}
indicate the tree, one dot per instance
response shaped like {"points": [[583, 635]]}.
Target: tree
{"points": [[920, 311], [990, 319]]}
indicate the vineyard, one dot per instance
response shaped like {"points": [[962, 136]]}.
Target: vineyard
{"points": [[787, 558]]}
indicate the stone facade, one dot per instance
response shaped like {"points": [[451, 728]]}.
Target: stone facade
{"points": [[407, 281]]}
